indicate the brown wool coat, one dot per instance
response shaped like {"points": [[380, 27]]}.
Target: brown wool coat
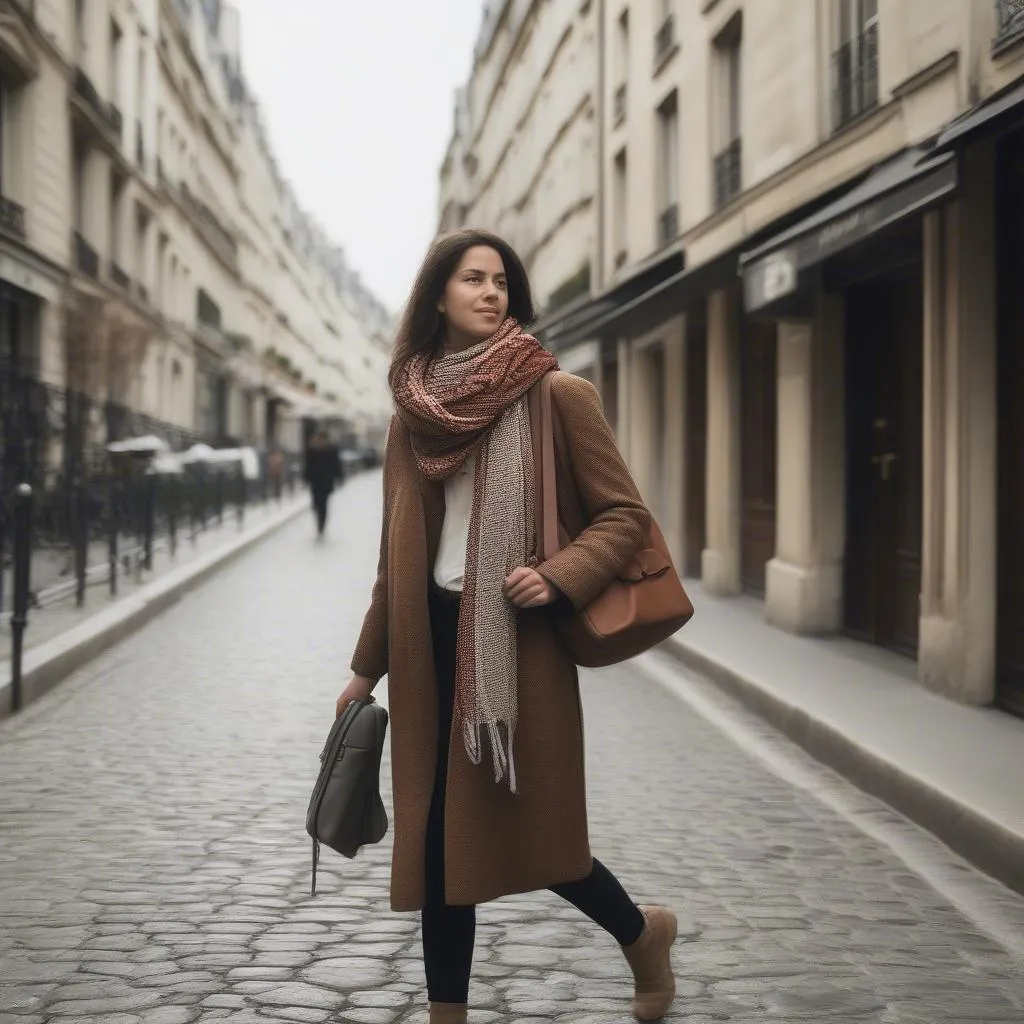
{"points": [[496, 843]]}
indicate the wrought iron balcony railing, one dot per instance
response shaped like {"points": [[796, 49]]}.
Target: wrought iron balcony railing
{"points": [[119, 276], [668, 224], [729, 173], [664, 40], [1009, 22], [87, 259], [855, 77], [12, 217], [115, 119], [619, 110]]}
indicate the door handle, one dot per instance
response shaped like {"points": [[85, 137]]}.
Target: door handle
{"points": [[885, 461]]}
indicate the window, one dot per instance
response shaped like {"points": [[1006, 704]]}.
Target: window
{"points": [[665, 37], [116, 41], [855, 62], [727, 124], [620, 200], [621, 66], [667, 183]]}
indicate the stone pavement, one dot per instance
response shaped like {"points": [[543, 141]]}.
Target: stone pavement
{"points": [[154, 866]]}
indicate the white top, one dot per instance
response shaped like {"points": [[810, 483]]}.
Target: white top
{"points": [[450, 567]]}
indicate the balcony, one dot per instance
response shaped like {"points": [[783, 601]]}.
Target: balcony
{"points": [[115, 119], [668, 225], [120, 277], [12, 218], [855, 78], [105, 117], [664, 42], [216, 236], [1009, 24], [87, 259], [728, 173], [619, 107]]}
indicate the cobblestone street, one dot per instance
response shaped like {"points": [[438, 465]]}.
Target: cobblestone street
{"points": [[154, 866]]}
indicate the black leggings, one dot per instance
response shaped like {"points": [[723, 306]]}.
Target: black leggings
{"points": [[449, 932]]}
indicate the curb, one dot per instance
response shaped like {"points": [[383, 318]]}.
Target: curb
{"points": [[985, 843], [50, 663]]}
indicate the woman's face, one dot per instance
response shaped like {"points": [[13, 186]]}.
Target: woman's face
{"points": [[475, 300]]}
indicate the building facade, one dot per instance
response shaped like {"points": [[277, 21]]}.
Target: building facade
{"points": [[522, 158], [807, 332], [151, 253]]}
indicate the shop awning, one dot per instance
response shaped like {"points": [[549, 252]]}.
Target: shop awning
{"points": [[567, 326], [993, 116], [901, 187]]}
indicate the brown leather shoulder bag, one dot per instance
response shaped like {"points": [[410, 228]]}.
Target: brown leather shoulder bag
{"points": [[644, 605]]}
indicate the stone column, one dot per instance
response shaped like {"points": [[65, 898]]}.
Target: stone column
{"points": [[622, 424], [957, 655], [804, 579], [720, 560], [674, 449]]}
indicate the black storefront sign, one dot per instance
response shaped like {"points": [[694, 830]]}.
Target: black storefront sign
{"points": [[777, 274]]}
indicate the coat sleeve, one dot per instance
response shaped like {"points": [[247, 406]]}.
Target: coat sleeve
{"points": [[370, 658], [617, 516]]}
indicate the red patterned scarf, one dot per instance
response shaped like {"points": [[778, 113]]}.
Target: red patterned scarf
{"points": [[455, 405]]}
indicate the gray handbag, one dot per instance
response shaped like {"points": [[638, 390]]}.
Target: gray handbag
{"points": [[346, 811]]}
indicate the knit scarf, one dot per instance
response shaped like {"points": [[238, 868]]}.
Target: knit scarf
{"points": [[457, 405]]}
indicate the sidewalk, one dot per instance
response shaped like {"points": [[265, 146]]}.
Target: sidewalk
{"points": [[954, 770], [61, 637]]}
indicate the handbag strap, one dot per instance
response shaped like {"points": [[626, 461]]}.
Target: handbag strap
{"points": [[542, 427]]}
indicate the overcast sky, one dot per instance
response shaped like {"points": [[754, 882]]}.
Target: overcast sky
{"points": [[358, 101]]}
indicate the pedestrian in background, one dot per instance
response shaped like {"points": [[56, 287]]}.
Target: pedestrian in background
{"points": [[323, 472], [487, 730]]}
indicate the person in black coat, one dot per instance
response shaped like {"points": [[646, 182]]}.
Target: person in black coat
{"points": [[323, 471]]}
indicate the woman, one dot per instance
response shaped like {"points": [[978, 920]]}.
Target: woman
{"points": [[487, 731]]}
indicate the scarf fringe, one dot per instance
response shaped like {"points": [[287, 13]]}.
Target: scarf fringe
{"points": [[502, 752]]}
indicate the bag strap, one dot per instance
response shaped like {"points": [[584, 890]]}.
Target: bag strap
{"points": [[542, 428]]}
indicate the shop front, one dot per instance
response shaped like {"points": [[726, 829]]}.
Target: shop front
{"points": [[845, 292]]}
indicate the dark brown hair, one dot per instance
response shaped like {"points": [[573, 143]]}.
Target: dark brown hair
{"points": [[422, 326]]}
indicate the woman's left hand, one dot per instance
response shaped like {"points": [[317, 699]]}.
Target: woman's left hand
{"points": [[526, 588]]}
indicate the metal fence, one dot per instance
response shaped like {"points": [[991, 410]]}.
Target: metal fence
{"points": [[74, 516]]}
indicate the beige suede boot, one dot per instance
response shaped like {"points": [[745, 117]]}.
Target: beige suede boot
{"points": [[650, 958], [448, 1013]]}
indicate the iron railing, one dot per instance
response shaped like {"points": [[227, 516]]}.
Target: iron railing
{"points": [[664, 39], [728, 173], [855, 77], [87, 259], [92, 516], [668, 224], [213, 231], [1009, 22], [12, 217], [619, 111], [120, 277], [115, 119]]}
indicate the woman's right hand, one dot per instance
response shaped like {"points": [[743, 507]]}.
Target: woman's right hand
{"points": [[359, 688]]}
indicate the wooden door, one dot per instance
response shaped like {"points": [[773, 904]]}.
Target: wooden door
{"points": [[695, 443], [882, 577], [759, 412], [1010, 560]]}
